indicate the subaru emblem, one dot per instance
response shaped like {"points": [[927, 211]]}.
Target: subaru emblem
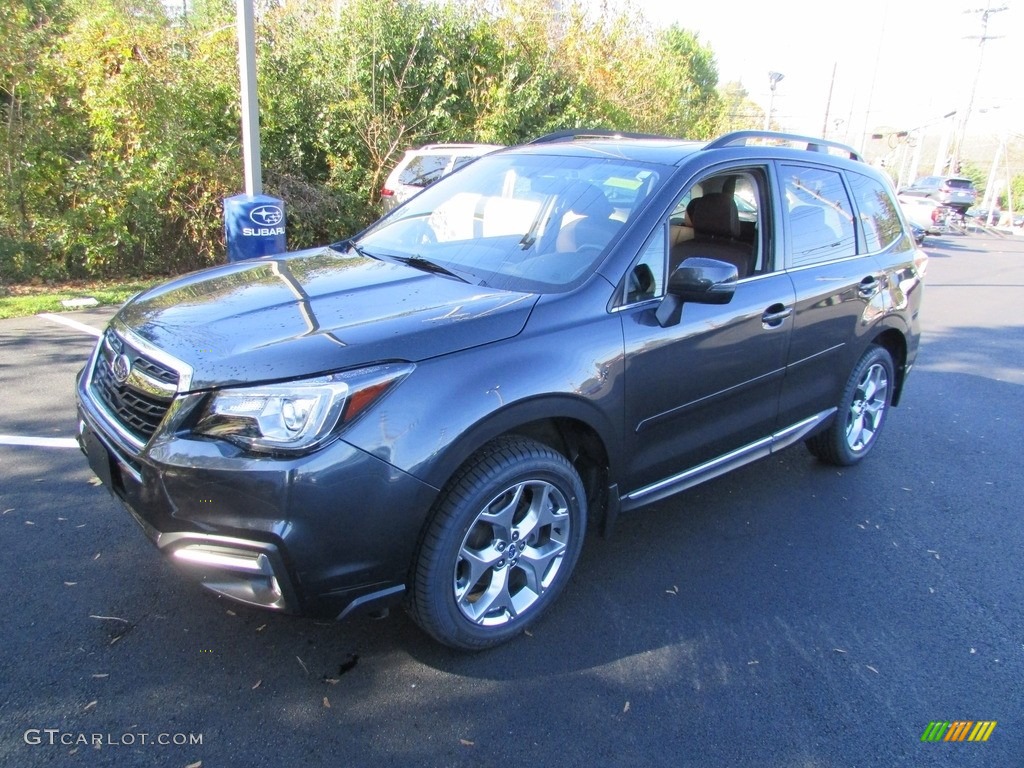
{"points": [[266, 215], [121, 367]]}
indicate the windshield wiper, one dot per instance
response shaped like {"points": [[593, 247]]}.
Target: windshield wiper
{"points": [[427, 265], [352, 245]]}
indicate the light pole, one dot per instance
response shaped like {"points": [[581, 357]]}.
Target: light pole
{"points": [[773, 80]]}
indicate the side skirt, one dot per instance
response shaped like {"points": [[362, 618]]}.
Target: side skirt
{"points": [[758, 449]]}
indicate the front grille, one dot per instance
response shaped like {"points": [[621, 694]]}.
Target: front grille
{"points": [[136, 411]]}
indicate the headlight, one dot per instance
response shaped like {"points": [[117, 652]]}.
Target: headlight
{"points": [[295, 416]]}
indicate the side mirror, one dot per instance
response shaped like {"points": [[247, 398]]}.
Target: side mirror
{"points": [[699, 281]]}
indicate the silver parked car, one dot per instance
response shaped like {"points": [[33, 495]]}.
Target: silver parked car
{"points": [[954, 191]]}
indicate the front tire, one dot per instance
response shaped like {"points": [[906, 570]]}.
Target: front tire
{"points": [[501, 546], [863, 408]]}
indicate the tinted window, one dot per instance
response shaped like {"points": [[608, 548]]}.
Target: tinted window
{"points": [[819, 214], [424, 169], [878, 216], [959, 183]]}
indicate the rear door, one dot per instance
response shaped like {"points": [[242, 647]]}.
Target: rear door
{"points": [[838, 288]]}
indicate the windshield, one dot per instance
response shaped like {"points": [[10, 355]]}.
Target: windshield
{"points": [[522, 222]]}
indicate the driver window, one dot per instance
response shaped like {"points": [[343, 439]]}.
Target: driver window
{"points": [[720, 217]]}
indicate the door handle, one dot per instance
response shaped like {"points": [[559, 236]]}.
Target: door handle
{"points": [[869, 286], [774, 315]]}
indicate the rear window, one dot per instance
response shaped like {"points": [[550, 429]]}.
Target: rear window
{"points": [[878, 216], [960, 183], [423, 170]]}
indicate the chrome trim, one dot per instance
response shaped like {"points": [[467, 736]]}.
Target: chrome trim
{"points": [[720, 465], [185, 371], [792, 434], [696, 475], [250, 572], [97, 405], [147, 384]]}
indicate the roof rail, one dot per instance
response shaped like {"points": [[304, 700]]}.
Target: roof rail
{"points": [[740, 138], [579, 134]]}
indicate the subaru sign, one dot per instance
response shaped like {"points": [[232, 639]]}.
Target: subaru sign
{"points": [[254, 225]]}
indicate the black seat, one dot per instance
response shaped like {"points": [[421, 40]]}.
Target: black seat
{"points": [[716, 226]]}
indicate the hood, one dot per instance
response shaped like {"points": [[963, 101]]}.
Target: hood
{"points": [[316, 311]]}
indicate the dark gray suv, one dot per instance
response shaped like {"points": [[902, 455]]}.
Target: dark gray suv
{"points": [[438, 410]]}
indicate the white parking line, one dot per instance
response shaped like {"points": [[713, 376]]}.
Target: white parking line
{"points": [[39, 442], [72, 324]]}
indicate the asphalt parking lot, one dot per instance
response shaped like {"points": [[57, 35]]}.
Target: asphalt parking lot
{"points": [[786, 615]]}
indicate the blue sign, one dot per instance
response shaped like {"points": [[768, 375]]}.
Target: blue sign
{"points": [[254, 226]]}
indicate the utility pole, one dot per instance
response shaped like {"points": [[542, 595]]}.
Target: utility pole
{"points": [[773, 80], [828, 104], [983, 38]]}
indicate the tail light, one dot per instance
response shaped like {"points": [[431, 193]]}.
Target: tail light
{"points": [[385, 192], [935, 215]]}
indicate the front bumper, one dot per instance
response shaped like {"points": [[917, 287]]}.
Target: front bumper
{"points": [[323, 534]]}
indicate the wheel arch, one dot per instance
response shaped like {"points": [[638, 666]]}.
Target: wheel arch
{"points": [[574, 428], [895, 343]]}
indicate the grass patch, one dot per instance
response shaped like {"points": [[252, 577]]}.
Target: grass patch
{"points": [[22, 300]]}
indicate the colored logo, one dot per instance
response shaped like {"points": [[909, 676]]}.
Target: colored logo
{"points": [[958, 730], [266, 215]]}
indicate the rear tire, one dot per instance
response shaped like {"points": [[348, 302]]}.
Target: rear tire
{"points": [[863, 408], [501, 546]]}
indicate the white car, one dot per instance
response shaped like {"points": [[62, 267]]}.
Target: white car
{"points": [[421, 167], [922, 212]]}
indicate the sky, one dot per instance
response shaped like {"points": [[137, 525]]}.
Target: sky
{"points": [[898, 64]]}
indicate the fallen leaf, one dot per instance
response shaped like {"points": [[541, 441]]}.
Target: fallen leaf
{"points": [[81, 526], [331, 680], [257, 685], [102, 675], [466, 743], [327, 702], [94, 481], [196, 764], [109, 618], [70, 583], [29, 522], [303, 664], [261, 627], [839, 650], [90, 705], [231, 613], [7, 510], [62, 519], [871, 668], [625, 709], [752, 662], [528, 633], [96, 556]]}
